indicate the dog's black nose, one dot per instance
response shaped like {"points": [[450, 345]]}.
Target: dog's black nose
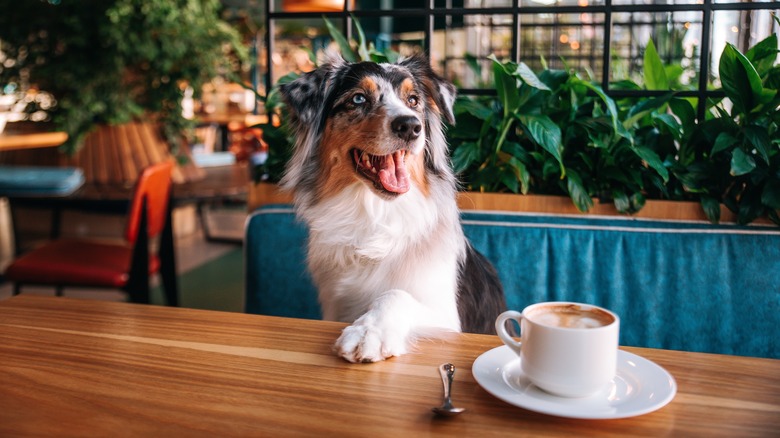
{"points": [[407, 128]]}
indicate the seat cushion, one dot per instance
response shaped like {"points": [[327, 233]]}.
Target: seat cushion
{"points": [[76, 262]]}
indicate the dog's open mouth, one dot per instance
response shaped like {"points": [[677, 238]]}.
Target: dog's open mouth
{"points": [[387, 172]]}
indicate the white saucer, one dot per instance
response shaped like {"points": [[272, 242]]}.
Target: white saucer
{"points": [[639, 387]]}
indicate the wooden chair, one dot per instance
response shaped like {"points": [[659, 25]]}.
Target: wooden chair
{"points": [[83, 262]]}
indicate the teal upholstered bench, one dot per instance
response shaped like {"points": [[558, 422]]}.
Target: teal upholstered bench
{"points": [[683, 286]]}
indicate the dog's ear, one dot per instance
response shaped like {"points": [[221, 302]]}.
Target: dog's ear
{"points": [[306, 99], [441, 91], [305, 96]]}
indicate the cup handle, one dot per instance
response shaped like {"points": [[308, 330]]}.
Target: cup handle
{"points": [[506, 338]]}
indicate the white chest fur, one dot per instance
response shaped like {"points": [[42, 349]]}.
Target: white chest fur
{"points": [[361, 246]]}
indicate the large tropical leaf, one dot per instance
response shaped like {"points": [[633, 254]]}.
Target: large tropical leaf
{"points": [[684, 111], [529, 77], [578, 193], [741, 163], [764, 54], [645, 107], [740, 80], [546, 134], [711, 208], [758, 137], [363, 50], [653, 160], [655, 73], [506, 87], [341, 40], [465, 155], [610, 104], [723, 142]]}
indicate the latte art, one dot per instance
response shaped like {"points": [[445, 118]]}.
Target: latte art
{"points": [[569, 316]]}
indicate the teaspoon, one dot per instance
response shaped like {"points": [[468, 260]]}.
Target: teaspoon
{"points": [[447, 409]]}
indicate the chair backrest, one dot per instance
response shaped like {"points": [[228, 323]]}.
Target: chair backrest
{"points": [[154, 185]]}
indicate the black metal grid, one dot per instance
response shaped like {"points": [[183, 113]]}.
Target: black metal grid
{"points": [[430, 13]]}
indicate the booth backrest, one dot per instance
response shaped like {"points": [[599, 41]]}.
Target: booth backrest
{"points": [[682, 286]]}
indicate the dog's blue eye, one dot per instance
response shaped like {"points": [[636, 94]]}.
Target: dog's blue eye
{"points": [[359, 99], [412, 101]]}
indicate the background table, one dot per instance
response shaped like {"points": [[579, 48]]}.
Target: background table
{"points": [[89, 368], [31, 140]]}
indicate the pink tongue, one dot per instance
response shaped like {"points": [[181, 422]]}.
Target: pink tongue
{"points": [[393, 173]]}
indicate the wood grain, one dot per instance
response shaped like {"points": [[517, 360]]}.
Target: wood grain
{"points": [[89, 368]]}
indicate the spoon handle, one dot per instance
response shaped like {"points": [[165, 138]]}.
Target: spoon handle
{"points": [[447, 370]]}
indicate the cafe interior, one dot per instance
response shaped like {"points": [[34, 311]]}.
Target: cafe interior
{"points": [[617, 156]]}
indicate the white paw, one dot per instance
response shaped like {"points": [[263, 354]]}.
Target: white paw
{"points": [[363, 342]]}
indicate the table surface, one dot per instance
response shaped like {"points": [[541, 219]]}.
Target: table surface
{"points": [[30, 140], [78, 367]]}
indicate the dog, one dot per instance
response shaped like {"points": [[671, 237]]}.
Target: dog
{"points": [[371, 178]]}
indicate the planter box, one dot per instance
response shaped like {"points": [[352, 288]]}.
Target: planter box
{"points": [[267, 193]]}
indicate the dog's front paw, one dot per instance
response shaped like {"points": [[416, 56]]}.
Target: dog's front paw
{"points": [[368, 343]]}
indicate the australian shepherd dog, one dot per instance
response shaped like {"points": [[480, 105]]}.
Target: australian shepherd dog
{"points": [[371, 177]]}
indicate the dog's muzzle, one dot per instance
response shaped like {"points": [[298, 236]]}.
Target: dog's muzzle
{"points": [[387, 172]]}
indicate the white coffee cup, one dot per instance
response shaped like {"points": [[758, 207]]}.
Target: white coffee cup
{"points": [[567, 349]]}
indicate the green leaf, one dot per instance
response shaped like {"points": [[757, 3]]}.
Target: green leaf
{"points": [[684, 111], [621, 201], [579, 195], [711, 208], [645, 107], [521, 174], [723, 142], [653, 160], [472, 107], [599, 141], [655, 74], [763, 54], [341, 40], [672, 125], [506, 87], [530, 78], [758, 137], [766, 96], [466, 154], [509, 179], [362, 48], [611, 107], [516, 150], [741, 163], [740, 80], [637, 201], [546, 134], [770, 196]]}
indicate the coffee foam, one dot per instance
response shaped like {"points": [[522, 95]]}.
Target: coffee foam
{"points": [[571, 316]]}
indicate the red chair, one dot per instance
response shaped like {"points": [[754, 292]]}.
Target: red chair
{"points": [[82, 262]]}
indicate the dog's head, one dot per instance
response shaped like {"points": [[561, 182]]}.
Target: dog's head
{"points": [[376, 124]]}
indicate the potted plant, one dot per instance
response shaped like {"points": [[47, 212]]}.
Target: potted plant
{"points": [[556, 133], [110, 62]]}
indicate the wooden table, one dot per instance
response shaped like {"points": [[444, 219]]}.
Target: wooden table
{"points": [[90, 368], [32, 140]]}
